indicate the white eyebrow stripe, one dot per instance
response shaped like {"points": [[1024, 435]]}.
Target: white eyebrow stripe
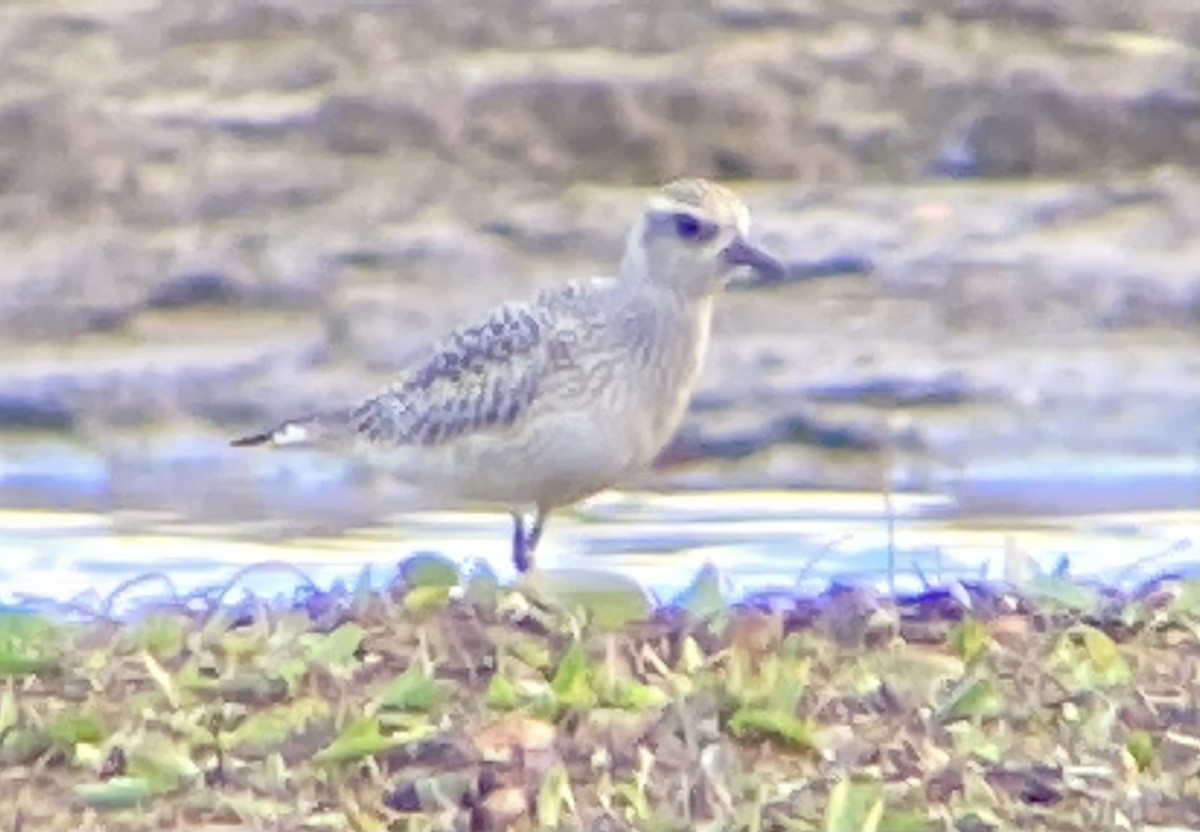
{"points": [[662, 205]]}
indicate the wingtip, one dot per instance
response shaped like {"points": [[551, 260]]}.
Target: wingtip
{"points": [[294, 432], [251, 441]]}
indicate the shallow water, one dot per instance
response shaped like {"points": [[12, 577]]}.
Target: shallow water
{"points": [[77, 532]]}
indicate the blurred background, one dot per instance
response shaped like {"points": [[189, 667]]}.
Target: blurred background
{"points": [[220, 212]]}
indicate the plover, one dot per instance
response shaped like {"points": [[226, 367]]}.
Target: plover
{"points": [[545, 402]]}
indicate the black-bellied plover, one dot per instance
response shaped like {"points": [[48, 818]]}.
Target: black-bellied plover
{"points": [[546, 402]]}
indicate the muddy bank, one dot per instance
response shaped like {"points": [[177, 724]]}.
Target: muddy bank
{"points": [[213, 217], [928, 328]]}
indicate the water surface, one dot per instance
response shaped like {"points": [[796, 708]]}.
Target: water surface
{"points": [[81, 535]]}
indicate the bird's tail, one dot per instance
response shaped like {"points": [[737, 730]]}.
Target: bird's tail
{"points": [[309, 431]]}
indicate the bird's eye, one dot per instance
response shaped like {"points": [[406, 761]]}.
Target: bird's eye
{"points": [[688, 227]]}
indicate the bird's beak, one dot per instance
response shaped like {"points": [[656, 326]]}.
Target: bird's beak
{"points": [[766, 269]]}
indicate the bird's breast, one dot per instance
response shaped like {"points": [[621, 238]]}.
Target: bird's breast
{"points": [[661, 367], [679, 373]]}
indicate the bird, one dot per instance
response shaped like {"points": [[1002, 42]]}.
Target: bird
{"points": [[541, 403]]}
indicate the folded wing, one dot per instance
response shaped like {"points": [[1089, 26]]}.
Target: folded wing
{"points": [[478, 377]]}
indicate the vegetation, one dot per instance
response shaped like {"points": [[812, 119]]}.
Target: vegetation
{"points": [[571, 701]]}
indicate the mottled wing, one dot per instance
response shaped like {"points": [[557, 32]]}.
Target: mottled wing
{"points": [[479, 377]]}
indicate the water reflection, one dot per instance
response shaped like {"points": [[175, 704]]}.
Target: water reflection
{"points": [[200, 517], [757, 541]]}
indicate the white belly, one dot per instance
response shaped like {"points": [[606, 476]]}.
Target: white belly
{"points": [[551, 461]]}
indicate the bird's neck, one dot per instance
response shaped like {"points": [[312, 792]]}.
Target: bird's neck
{"points": [[682, 318], [634, 266], [635, 270]]}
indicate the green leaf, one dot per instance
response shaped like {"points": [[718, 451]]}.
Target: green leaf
{"points": [[162, 762], [972, 699], [971, 740], [77, 727], [162, 636], [502, 694], [633, 696], [402, 723], [244, 642], [429, 569], [117, 793], [8, 710], [360, 739], [772, 682], [1086, 658], [192, 677], [28, 644], [1105, 657], [412, 690], [263, 731], [970, 639], [533, 652], [610, 601], [335, 648], [1187, 602], [572, 682], [854, 807], [907, 820], [290, 671], [791, 681], [365, 737], [769, 723], [1141, 748], [703, 599], [20, 745], [633, 797], [426, 598], [553, 796]]}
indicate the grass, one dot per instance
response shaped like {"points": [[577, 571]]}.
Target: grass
{"points": [[570, 702]]}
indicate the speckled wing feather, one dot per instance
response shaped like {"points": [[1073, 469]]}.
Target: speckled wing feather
{"points": [[478, 377]]}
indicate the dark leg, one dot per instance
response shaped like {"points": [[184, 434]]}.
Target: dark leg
{"points": [[535, 533], [520, 551], [525, 542]]}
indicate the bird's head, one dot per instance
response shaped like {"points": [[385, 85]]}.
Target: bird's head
{"points": [[693, 237]]}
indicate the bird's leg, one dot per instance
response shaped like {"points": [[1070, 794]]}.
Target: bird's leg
{"points": [[520, 551], [535, 532], [525, 542]]}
